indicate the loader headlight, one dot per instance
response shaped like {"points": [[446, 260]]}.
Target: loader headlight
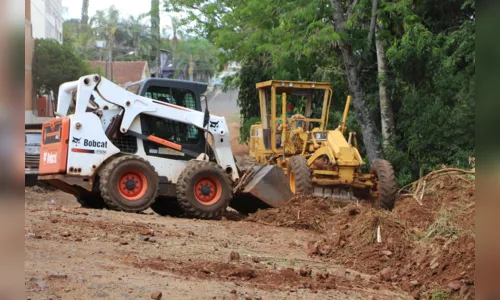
{"points": [[320, 136]]}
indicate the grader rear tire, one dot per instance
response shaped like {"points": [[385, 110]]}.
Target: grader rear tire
{"points": [[299, 176], [129, 183], [203, 190], [386, 185]]}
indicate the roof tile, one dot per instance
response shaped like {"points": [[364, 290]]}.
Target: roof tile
{"points": [[124, 71]]}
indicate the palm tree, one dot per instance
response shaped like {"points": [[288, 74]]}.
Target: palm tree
{"points": [[197, 57], [105, 23], [139, 33]]}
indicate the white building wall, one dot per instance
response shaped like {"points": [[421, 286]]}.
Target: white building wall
{"points": [[38, 18], [46, 17]]}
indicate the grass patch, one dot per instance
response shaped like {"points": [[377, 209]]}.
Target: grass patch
{"points": [[438, 294], [443, 226]]}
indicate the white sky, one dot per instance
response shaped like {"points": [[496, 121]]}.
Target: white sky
{"points": [[126, 8]]}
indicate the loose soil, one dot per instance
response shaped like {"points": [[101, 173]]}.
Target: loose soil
{"points": [[425, 248], [311, 249], [77, 253]]}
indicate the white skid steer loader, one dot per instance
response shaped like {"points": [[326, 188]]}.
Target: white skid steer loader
{"points": [[114, 148]]}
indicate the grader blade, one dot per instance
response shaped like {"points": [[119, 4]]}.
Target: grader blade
{"points": [[266, 187], [335, 193]]}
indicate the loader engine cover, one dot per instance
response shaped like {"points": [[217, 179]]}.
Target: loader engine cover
{"points": [[54, 148], [75, 145]]}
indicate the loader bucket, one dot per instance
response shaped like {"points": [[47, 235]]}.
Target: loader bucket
{"points": [[265, 189]]}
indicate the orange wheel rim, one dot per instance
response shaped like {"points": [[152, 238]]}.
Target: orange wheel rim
{"points": [[132, 185], [292, 181], [208, 190]]}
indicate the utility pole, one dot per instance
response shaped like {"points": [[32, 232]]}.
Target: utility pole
{"points": [[155, 32], [110, 56]]}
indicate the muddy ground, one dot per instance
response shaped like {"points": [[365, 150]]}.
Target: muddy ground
{"points": [[312, 249]]}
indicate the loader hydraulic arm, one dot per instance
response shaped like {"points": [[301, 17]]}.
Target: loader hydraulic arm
{"points": [[133, 105]]}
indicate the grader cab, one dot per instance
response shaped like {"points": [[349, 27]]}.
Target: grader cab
{"points": [[293, 134]]}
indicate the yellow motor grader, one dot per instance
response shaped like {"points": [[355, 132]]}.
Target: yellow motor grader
{"points": [[293, 135]]}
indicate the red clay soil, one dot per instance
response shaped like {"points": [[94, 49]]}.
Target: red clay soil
{"points": [[424, 248], [303, 212], [255, 275]]}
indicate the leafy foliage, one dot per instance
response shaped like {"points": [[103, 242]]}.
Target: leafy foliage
{"points": [[200, 54], [435, 97], [54, 64], [430, 55], [132, 39]]}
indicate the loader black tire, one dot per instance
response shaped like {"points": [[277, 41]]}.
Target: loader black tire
{"points": [[91, 200], [386, 184], [203, 190], [167, 206], [128, 183], [299, 175]]}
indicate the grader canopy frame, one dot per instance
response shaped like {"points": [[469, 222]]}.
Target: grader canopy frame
{"points": [[274, 96]]}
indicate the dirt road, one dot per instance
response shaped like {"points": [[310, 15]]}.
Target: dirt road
{"points": [[76, 253]]}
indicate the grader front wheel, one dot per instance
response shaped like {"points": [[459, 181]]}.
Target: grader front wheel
{"points": [[299, 176], [384, 193]]}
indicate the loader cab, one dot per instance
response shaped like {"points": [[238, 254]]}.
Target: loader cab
{"points": [[310, 101], [183, 93]]}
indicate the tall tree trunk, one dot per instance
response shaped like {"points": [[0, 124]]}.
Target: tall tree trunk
{"points": [[371, 136], [371, 33], [85, 13], [155, 30], [386, 113], [136, 48]]}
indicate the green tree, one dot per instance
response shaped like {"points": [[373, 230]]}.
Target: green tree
{"points": [[198, 56], [55, 64], [138, 33], [294, 39], [414, 59]]}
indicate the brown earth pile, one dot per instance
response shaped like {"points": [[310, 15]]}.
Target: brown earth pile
{"points": [[427, 242], [303, 212]]}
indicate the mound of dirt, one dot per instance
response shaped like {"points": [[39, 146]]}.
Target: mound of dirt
{"points": [[426, 244], [303, 212]]}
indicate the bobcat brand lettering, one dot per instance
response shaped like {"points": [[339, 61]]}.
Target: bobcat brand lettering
{"points": [[94, 144], [49, 158]]}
